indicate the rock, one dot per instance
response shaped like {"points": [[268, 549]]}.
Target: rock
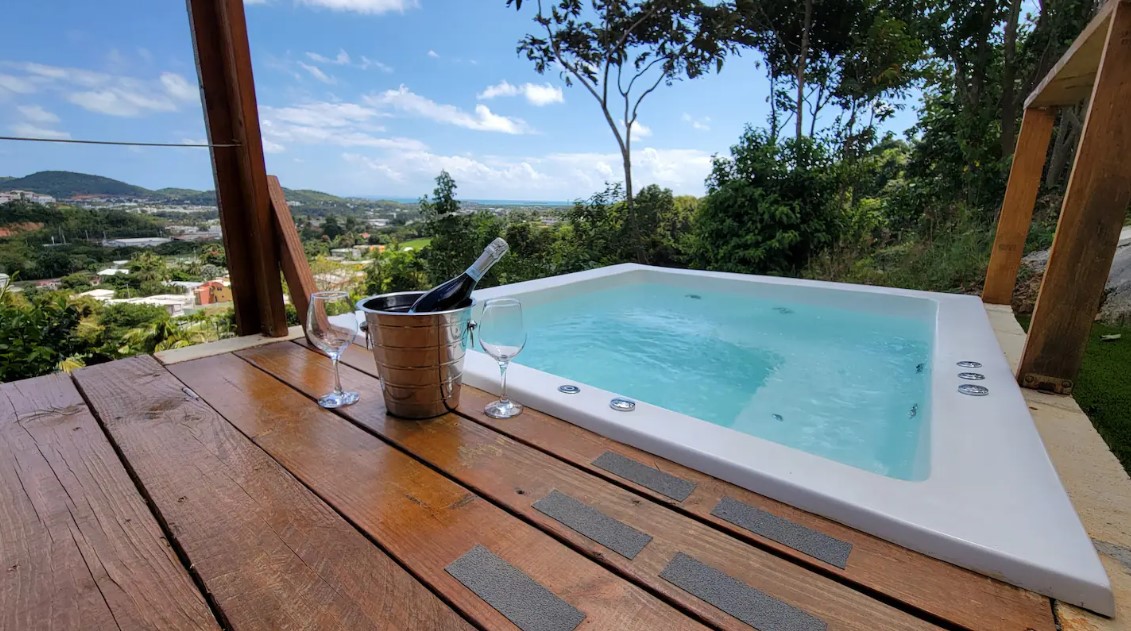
{"points": [[1116, 308]]}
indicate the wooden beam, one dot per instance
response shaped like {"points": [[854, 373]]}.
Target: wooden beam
{"points": [[300, 280], [1087, 234], [1017, 208], [1070, 81], [223, 61]]}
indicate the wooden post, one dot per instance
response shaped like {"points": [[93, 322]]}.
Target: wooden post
{"points": [[1017, 208], [1087, 234], [223, 60], [300, 280]]}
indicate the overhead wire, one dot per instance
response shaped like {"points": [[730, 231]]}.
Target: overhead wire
{"points": [[117, 142]]}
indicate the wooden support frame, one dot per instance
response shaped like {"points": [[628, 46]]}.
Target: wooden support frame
{"points": [[223, 60], [1017, 208], [300, 280], [1096, 67]]}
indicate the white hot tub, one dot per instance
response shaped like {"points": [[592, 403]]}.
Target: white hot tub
{"points": [[839, 399]]}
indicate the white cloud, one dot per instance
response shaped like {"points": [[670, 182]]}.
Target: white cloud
{"points": [[120, 102], [536, 94], [371, 7], [341, 59], [15, 84], [433, 54], [36, 114], [639, 130], [698, 124], [178, 88], [405, 101], [324, 123], [367, 63], [317, 73], [28, 130], [111, 94], [559, 176]]}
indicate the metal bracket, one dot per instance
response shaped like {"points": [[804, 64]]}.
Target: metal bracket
{"points": [[1045, 383]]}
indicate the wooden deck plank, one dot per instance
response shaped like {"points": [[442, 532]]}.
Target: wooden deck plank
{"points": [[516, 476], [271, 553], [423, 519], [79, 548], [952, 593]]}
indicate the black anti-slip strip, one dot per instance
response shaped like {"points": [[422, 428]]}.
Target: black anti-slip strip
{"points": [[614, 535], [816, 544], [755, 608], [520, 598], [648, 477]]}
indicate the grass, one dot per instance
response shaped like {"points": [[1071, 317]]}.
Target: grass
{"points": [[1103, 389], [416, 244]]}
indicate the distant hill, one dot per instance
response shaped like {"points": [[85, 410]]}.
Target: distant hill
{"points": [[63, 184], [5, 178], [67, 184]]}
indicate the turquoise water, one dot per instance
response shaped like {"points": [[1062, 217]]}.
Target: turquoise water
{"points": [[847, 385]]}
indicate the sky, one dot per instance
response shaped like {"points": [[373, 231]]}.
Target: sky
{"points": [[356, 97]]}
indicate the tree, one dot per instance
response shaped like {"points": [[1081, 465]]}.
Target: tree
{"points": [[147, 267], [632, 48], [769, 207], [395, 269]]}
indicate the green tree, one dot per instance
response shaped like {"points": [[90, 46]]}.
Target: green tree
{"points": [[621, 51], [395, 270], [37, 336], [769, 207], [147, 267], [455, 243]]}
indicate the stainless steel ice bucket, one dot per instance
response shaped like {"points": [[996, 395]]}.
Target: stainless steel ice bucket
{"points": [[419, 355]]}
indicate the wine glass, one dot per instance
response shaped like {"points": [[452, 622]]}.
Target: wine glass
{"points": [[332, 337], [502, 335]]}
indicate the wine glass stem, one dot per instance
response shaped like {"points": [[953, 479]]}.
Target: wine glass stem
{"points": [[337, 376], [503, 375]]}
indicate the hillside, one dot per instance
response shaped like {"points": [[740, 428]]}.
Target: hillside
{"points": [[66, 184]]}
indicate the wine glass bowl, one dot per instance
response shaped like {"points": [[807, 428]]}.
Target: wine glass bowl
{"points": [[502, 335], [332, 336]]}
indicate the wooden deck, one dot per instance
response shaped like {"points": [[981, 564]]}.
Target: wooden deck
{"points": [[216, 493]]}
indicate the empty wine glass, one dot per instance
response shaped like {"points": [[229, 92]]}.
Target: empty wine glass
{"points": [[332, 337], [502, 335]]}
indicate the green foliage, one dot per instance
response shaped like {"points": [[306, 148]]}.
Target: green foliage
{"points": [[769, 207], [395, 269], [36, 336]]}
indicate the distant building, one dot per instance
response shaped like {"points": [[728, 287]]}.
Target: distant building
{"points": [[140, 242], [4, 280], [47, 283], [101, 295], [111, 271], [213, 291], [174, 304], [188, 287], [13, 196]]}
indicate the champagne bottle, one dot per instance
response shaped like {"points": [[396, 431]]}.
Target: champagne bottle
{"points": [[452, 293]]}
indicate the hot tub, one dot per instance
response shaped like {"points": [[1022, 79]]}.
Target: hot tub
{"points": [[891, 411]]}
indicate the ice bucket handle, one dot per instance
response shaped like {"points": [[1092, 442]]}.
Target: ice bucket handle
{"points": [[469, 334]]}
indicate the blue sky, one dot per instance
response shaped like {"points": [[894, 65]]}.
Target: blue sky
{"points": [[356, 97]]}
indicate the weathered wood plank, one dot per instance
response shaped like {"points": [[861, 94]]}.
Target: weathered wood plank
{"points": [[516, 477], [1071, 79], [1017, 207], [79, 548], [941, 589], [300, 280], [423, 519], [271, 553], [1087, 233]]}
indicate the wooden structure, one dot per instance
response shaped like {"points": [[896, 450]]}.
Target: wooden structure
{"points": [[260, 238], [1096, 69], [215, 492]]}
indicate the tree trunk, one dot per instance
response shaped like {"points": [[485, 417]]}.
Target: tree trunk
{"points": [[1067, 134], [629, 205], [801, 59], [1008, 81]]}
